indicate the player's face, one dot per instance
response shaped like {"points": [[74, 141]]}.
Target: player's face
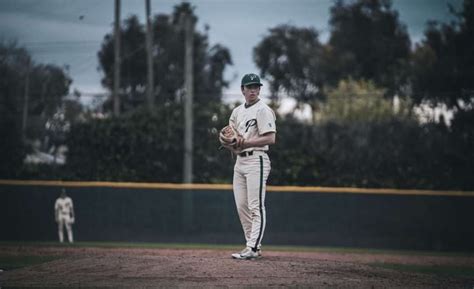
{"points": [[251, 92]]}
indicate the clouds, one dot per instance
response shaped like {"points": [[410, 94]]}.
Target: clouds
{"points": [[28, 29], [70, 31]]}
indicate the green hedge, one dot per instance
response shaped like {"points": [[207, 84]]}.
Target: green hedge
{"points": [[392, 153], [146, 147]]}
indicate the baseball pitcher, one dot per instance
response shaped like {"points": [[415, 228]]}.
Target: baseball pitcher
{"points": [[64, 216], [250, 131]]}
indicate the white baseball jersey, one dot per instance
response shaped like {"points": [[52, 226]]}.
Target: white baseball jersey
{"points": [[252, 121], [64, 206], [64, 209]]}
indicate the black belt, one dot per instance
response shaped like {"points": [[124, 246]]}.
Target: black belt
{"points": [[246, 154]]}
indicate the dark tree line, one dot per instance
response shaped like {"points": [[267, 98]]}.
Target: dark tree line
{"points": [[24, 119], [361, 86], [368, 42], [168, 64], [443, 64]]}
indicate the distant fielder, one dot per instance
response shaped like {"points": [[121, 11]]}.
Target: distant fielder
{"points": [[64, 215], [250, 131]]}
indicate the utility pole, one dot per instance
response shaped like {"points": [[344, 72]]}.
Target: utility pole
{"points": [[149, 50], [188, 102], [26, 98], [116, 95], [187, 20]]}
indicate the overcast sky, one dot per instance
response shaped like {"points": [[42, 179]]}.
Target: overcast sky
{"points": [[69, 32]]}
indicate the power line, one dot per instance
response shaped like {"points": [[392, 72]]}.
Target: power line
{"points": [[58, 42], [62, 47]]}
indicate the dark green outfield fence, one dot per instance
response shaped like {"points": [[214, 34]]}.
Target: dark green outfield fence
{"points": [[206, 213]]}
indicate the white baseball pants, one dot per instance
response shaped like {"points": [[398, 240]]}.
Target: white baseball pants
{"points": [[65, 221], [250, 178]]}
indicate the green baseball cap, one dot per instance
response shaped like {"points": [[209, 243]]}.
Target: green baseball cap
{"points": [[251, 78]]}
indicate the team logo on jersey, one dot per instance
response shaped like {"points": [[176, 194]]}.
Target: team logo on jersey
{"points": [[250, 123]]}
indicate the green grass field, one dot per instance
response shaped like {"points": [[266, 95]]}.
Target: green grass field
{"points": [[197, 246], [15, 262], [451, 271]]}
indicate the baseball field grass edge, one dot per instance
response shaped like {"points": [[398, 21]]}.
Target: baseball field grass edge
{"points": [[440, 270], [204, 246], [16, 262]]}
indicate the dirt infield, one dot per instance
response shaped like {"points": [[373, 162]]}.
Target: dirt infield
{"points": [[185, 268]]}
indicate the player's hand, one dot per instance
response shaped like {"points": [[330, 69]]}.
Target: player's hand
{"points": [[239, 143]]}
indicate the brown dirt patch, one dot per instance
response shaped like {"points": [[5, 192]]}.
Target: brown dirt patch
{"points": [[184, 268]]}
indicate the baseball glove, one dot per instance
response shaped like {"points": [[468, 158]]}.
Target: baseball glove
{"points": [[230, 138]]}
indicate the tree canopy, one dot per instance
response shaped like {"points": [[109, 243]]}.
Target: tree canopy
{"points": [[367, 42], [356, 101], [289, 57], [443, 63], [168, 61], [45, 86], [371, 41]]}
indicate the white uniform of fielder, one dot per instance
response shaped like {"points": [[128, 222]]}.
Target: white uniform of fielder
{"points": [[64, 215], [252, 166]]}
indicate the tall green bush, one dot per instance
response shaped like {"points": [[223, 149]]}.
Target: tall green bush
{"points": [[140, 146]]}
